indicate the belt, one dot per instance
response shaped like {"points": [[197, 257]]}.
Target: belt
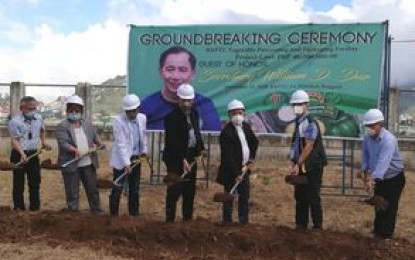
{"points": [[390, 176], [30, 151]]}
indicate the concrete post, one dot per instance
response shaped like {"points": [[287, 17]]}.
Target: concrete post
{"points": [[17, 91], [84, 90], [393, 110]]}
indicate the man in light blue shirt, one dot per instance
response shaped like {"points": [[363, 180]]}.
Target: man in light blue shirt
{"points": [[308, 157], [27, 131], [382, 164]]}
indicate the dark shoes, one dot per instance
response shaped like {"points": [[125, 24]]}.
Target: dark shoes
{"points": [[300, 228], [98, 212], [304, 228]]}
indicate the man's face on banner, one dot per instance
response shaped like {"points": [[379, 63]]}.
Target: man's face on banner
{"points": [[176, 71]]}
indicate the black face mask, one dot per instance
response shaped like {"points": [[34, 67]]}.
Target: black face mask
{"points": [[186, 110], [186, 107]]}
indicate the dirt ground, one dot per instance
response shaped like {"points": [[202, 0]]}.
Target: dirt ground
{"points": [[54, 233]]}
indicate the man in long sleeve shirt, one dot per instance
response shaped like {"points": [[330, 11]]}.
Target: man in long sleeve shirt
{"points": [[130, 143], [382, 163]]}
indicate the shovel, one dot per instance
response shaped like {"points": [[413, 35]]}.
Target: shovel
{"points": [[117, 183], [224, 196], [173, 178], [295, 179], [377, 201], [16, 165], [92, 150]]}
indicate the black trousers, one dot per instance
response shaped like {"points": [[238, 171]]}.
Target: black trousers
{"points": [[133, 180], [307, 198], [186, 189], [243, 201], [32, 170], [390, 190]]}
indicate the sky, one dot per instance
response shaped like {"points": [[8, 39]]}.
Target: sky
{"points": [[70, 41]]}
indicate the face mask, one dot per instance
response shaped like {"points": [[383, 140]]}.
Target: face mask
{"points": [[30, 114], [298, 110], [237, 119], [370, 131], [74, 116]]}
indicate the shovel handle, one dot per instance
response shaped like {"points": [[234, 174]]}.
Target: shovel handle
{"points": [[117, 180], [93, 150], [187, 172], [28, 158], [244, 170]]}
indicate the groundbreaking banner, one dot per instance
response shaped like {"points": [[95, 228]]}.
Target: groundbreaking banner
{"points": [[339, 65]]}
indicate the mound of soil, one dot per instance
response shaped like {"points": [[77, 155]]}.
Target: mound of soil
{"points": [[145, 238]]}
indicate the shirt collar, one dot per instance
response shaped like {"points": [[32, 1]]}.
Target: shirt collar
{"points": [[381, 134], [301, 118]]}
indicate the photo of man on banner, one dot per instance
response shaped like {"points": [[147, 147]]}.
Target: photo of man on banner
{"points": [[177, 66]]}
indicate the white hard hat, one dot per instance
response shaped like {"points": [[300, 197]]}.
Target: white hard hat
{"points": [[373, 116], [130, 102], [235, 104], [299, 96], [186, 91], [75, 99]]}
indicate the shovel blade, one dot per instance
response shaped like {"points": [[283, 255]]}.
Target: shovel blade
{"points": [[222, 197], [104, 184], [6, 166], [47, 164], [377, 201], [295, 179], [172, 178]]}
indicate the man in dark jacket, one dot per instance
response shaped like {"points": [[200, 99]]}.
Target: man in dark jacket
{"points": [[308, 157], [183, 143], [238, 146]]}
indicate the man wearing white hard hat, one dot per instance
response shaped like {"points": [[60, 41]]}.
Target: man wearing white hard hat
{"points": [[308, 158], [130, 143], [238, 147], [177, 66], [183, 143], [77, 137], [382, 164]]}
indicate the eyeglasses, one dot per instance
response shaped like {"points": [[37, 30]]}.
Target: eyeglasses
{"points": [[131, 111], [371, 125], [297, 104], [74, 110]]}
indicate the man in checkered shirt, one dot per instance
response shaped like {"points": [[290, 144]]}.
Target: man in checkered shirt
{"points": [[26, 131]]}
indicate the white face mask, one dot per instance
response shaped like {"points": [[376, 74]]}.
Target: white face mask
{"points": [[298, 110], [237, 119], [369, 131]]}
